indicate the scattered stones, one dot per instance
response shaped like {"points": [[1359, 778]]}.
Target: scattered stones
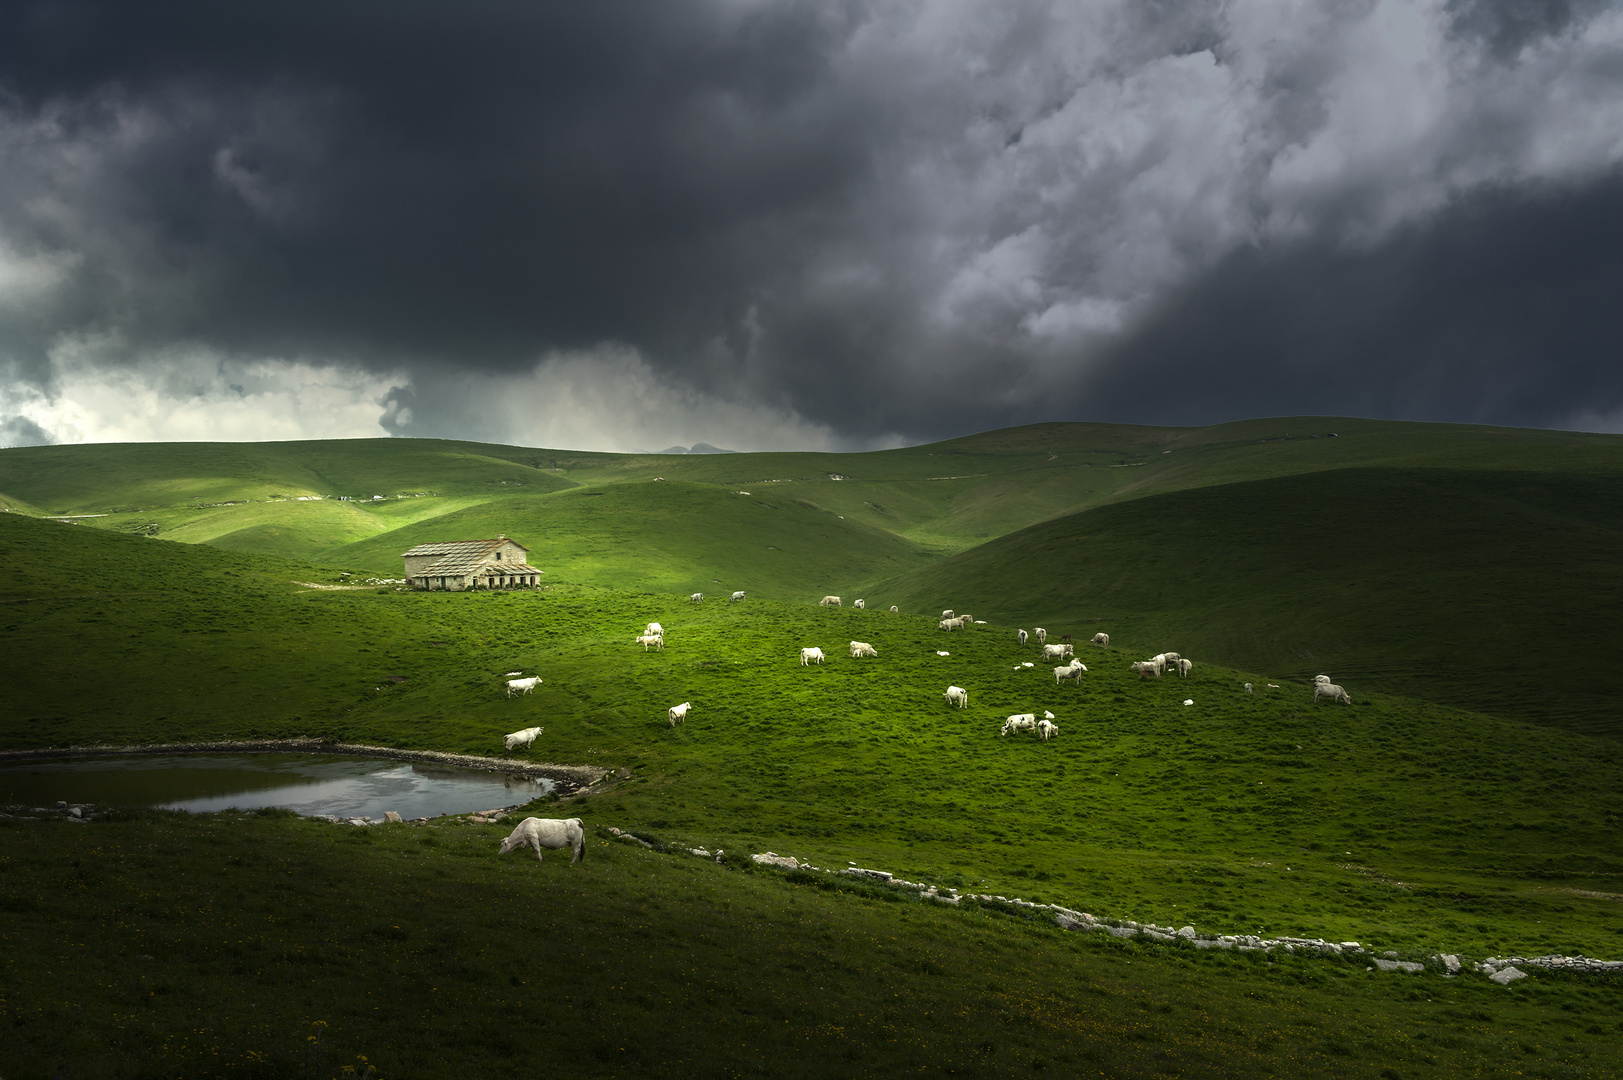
{"points": [[1451, 963], [772, 858], [1399, 965]]}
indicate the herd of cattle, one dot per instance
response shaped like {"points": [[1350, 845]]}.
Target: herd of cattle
{"points": [[653, 636]]}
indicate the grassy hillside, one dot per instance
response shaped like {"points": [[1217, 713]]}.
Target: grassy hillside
{"points": [[131, 476], [1238, 813], [669, 537], [945, 497], [1478, 589], [265, 946]]}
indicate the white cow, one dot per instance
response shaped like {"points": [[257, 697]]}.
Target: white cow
{"points": [[1019, 722], [1249, 689], [1047, 729], [1041, 635], [830, 601], [656, 640], [678, 713], [1321, 678], [957, 695], [549, 833], [809, 654], [739, 595], [1020, 636], [947, 614], [521, 738], [523, 686], [1057, 652], [1102, 640], [952, 624], [862, 648], [1331, 691], [893, 607], [654, 628], [860, 603], [1072, 671], [966, 619], [697, 598], [1146, 669], [1184, 667]]}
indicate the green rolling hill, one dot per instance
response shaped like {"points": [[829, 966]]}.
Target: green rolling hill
{"points": [[1454, 563], [1461, 582]]}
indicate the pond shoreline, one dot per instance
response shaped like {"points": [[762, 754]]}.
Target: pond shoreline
{"points": [[568, 780]]}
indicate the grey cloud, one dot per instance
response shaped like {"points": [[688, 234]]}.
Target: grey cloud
{"points": [[852, 222], [1502, 310], [21, 431]]}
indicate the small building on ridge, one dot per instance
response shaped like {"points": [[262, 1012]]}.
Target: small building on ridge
{"points": [[461, 565]]}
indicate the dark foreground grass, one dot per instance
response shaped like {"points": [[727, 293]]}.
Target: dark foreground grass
{"points": [[156, 944]]}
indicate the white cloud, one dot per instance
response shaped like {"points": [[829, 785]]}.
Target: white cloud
{"points": [[609, 399], [97, 392]]}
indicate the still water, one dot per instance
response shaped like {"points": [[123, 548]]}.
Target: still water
{"points": [[304, 783]]}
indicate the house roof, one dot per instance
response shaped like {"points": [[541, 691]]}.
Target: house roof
{"points": [[463, 547], [466, 556]]}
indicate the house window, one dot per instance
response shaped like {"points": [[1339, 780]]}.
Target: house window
{"points": [[498, 556]]}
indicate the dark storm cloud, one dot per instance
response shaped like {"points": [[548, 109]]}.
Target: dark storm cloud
{"points": [[1502, 310], [798, 223]]}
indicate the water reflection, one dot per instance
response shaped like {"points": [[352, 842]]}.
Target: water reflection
{"points": [[304, 783]]}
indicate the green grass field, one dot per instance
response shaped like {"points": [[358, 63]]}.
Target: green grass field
{"points": [[1467, 802]]}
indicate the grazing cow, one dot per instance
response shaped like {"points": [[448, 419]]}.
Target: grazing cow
{"points": [[739, 595], [830, 601], [809, 654], [1331, 691], [1321, 678], [1073, 671], [1184, 667], [1041, 635], [1146, 669], [521, 738], [957, 695], [1047, 729], [1102, 640], [947, 614], [523, 686], [1019, 722], [549, 833], [1057, 652], [656, 640], [893, 607], [862, 648], [952, 624], [1065, 637], [654, 628], [678, 713], [697, 598], [1248, 689], [1020, 636], [966, 619], [860, 603]]}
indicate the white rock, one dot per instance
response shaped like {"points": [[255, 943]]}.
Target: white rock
{"points": [[1506, 976]]}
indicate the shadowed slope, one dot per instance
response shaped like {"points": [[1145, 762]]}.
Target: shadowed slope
{"points": [[1491, 591]]}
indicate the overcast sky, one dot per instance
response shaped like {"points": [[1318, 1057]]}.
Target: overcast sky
{"points": [[815, 225]]}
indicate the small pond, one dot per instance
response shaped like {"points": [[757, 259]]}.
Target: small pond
{"points": [[307, 784]]}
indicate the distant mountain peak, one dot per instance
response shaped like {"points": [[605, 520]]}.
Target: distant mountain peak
{"points": [[696, 448]]}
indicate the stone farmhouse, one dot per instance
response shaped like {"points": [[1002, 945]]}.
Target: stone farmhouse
{"points": [[462, 565]]}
